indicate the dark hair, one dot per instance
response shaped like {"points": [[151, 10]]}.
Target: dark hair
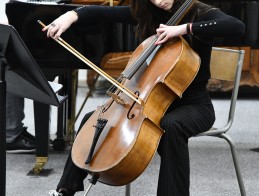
{"points": [[150, 16]]}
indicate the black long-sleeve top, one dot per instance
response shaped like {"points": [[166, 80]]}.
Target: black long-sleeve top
{"points": [[213, 23]]}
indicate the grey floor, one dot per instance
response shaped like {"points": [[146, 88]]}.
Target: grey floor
{"points": [[212, 171]]}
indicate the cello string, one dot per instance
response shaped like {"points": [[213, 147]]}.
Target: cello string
{"points": [[184, 8], [113, 88], [140, 60]]}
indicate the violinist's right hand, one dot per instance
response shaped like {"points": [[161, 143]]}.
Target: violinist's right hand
{"points": [[61, 24]]}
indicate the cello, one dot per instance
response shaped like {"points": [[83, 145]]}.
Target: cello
{"points": [[119, 140]]}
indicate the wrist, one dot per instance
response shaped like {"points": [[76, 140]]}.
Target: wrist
{"points": [[74, 15]]}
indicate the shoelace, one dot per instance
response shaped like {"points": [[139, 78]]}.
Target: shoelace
{"points": [[55, 193]]}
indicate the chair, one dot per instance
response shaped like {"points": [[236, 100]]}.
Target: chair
{"points": [[112, 63], [226, 64]]}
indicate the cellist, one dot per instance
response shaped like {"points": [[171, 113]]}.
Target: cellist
{"points": [[187, 116]]}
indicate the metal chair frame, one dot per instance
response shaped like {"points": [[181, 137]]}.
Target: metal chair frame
{"points": [[231, 59]]}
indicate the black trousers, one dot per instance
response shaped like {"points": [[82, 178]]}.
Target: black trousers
{"points": [[186, 117]]}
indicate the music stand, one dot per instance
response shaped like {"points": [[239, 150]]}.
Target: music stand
{"points": [[20, 75]]}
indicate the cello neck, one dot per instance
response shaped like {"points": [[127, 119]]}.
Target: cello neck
{"points": [[174, 20], [184, 9]]}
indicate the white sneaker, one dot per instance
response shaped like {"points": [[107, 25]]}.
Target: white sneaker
{"points": [[55, 193]]}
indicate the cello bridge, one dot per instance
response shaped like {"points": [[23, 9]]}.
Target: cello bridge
{"points": [[117, 98]]}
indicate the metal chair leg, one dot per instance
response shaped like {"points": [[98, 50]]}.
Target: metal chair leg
{"points": [[127, 190], [88, 189], [235, 160]]}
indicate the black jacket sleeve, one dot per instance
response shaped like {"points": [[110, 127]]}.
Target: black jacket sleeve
{"points": [[216, 23], [105, 13]]}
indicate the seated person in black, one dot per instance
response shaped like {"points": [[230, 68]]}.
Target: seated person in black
{"points": [[189, 115]]}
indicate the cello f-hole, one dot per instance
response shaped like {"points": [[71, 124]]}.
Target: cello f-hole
{"points": [[106, 108], [131, 116]]}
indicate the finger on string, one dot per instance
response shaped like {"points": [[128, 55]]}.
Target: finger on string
{"points": [[161, 39], [161, 30], [163, 35], [158, 40], [162, 25]]}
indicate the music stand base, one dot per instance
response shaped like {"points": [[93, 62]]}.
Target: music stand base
{"points": [[39, 165], [44, 172]]}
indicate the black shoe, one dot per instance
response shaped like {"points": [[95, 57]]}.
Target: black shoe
{"points": [[21, 145], [27, 135]]}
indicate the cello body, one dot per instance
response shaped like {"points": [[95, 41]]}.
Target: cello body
{"points": [[131, 136]]}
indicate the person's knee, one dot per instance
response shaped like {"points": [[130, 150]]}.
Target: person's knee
{"points": [[174, 129], [170, 123]]}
